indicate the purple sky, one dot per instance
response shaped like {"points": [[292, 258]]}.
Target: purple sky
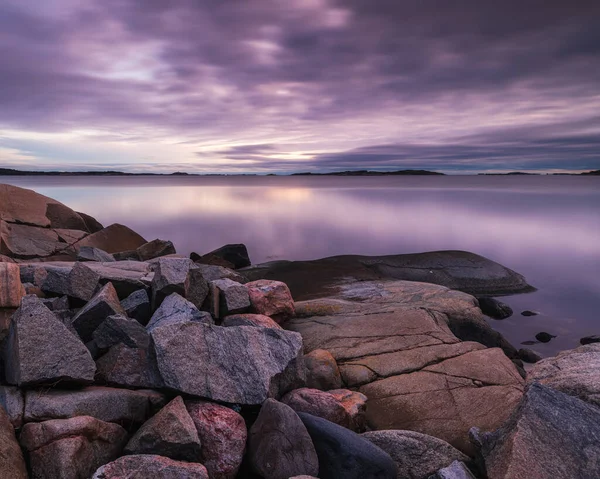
{"points": [[300, 85]]}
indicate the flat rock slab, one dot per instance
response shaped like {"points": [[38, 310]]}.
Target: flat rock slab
{"points": [[459, 270]]}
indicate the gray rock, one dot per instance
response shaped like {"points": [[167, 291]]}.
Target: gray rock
{"points": [[170, 275], [120, 329], [11, 399], [529, 356], [550, 436], [12, 465], [155, 248], [105, 303], [213, 272], [144, 466], [57, 304], [51, 279], [132, 367], [137, 306], [88, 253], [233, 297], [279, 445], [126, 255], [416, 455], [590, 340], [241, 364], [176, 309], [456, 470], [196, 287], [127, 277], [41, 350], [495, 309], [343, 453]]}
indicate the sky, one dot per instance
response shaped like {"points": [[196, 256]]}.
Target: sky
{"points": [[281, 86]]}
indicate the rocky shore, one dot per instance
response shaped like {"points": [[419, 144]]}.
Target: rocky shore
{"points": [[122, 359]]}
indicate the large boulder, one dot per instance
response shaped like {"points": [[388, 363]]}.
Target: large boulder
{"points": [[27, 242], [237, 364], [416, 455], [279, 446], [11, 288], [112, 239], [41, 350], [105, 303], [71, 448], [271, 298], [550, 436], [222, 433], [12, 464], [144, 466]]}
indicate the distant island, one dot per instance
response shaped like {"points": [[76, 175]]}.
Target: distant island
{"points": [[371, 173]]}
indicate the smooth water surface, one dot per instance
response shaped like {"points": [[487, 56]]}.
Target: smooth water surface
{"points": [[545, 227]]}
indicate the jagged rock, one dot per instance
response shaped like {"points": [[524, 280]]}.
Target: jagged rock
{"points": [[232, 298], [130, 255], [213, 272], [236, 364], [11, 399], [88, 253], [170, 433], [222, 433], [211, 260], [279, 445], [82, 282], [176, 309], [236, 254], [343, 453], [129, 367], [41, 350], [589, 340], [92, 225], [120, 329], [137, 306], [71, 448], [416, 455], [154, 249], [178, 275], [11, 288], [255, 320], [144, 466], [112, 239], [495, 309], [456, 470], [318, 403], [322, 371], [107, 404], [105, 303], [529, 356], [271, 298], [60, 303], [12, 465], [550, 436], [127, 277]]}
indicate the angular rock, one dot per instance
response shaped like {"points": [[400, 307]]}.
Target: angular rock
{"points": [[107, 404], [318, 403], [170, 433], [176, 309], [127, 277], [105, 303], [112, 239], [550, 436], [529, 313], [255, 320], [11, 288], [211, 260], [92, 225], [343, 453], [154, 249], [279, 446], [589, 340], [12, 465], [11, 399], [71, 448], [83, 282], [41, 350], [196, 287], [150, 466], [120, 329], [130, 255], [355, 405], [236, 254], [232, 298], [88, 253], [61, 216], [132, 367], [322, 371], [236, 364], [416, 455], [28, 242], [137, 306], [456, 470], [178, 275], [57, 304], [213, 272], [495, 309], [70, 236], [529, 356], [271, 298], [222, 433]]}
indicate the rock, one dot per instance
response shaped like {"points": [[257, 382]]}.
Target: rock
{"points": [[255, 320], [61, 216], [41, 350], [28, 242], [175, 309], [590, 340], [355, 405], [82, 282], [416, 455], [88, 253], [11, 399], [529, 313], [12, 465], [222, 433], [575, 372], [544, 337], [279, 446], [529, 356], [322, 371], [343, 453], [92, 225], [456, 470], [170, 433], [211, 260], [144, 466], [57, 304], [11, 288], [120, 329], [233, 297], [242, 365], [127, 256], [271, 298], [71, 448], [155, 249], [495, 309], [318, 403], [107, 404], [133, 367], [112, 239], [127, 277], [105, 303], [236, 254], [137, 306], [178, 275], [213, 272], [550, 436]]}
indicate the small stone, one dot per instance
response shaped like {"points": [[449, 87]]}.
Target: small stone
{"points": [[137, 306], [544, 337], [322, 371], [271, 298], [170, 275], [529, 356], [529, 313], [105, 303], [355, 404], [233, 297], [154, 249], [143, 466], [88, 253], [11, 288]]}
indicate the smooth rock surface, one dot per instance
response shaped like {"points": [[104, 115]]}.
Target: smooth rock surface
{"points": [[11, 288], [12, 464], [105, 303], [144, 466], [322, 371], [112, 239], [255, 320], [271, 298]]}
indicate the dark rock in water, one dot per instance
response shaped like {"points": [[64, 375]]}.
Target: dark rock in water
{"points": [[529, 313], [129, 255], [12, 464], [137, 306], [590, 340], [529, 343], [92, 225], [495, 309], [550, 436], [544, 337], [279, 445], [87, 253], [343, 453], [456, 470], [104, 303], [236, 254], [529, 356], [154, 249], [150, 465]]}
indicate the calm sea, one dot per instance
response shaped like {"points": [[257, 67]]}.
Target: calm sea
{"points": [[545, 227]]}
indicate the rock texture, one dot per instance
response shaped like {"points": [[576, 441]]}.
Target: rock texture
{"points": [[112, 239], [178, 275], [88, 253], [174, 310], [256, 320], [495, 309], [236, 254], [456, 470], [12, 464], [137, 306], [147, 465], [228, 297], [11, 288], [271, 298], [11, 399], [155, 249], [104, 303], [322, 371]]}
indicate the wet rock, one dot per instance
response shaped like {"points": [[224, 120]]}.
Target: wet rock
{"points": [[544, 337], [112, 239], [11, 399], [213, 272], [456, 470], [529, 313], [87, 253], [222, 434], [236, 254], [255, 320], [105, 303], [147, 466], [11, 288], [529, 356], [271, 298], [279, 446], [322, 371], [495, 309], [71, 448], [590, 340], [233, 298], [550, 436], [343, 453], [416, 455], [137, 306], [41, 350], [12, 464], [176, 309], [155, 249]]}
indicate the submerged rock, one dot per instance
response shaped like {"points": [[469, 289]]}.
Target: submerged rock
{"points": [[590, 340], [529, 356], [529, 313]]}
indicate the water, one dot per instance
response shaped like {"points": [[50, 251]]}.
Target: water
{"points": [[546, 228]]}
